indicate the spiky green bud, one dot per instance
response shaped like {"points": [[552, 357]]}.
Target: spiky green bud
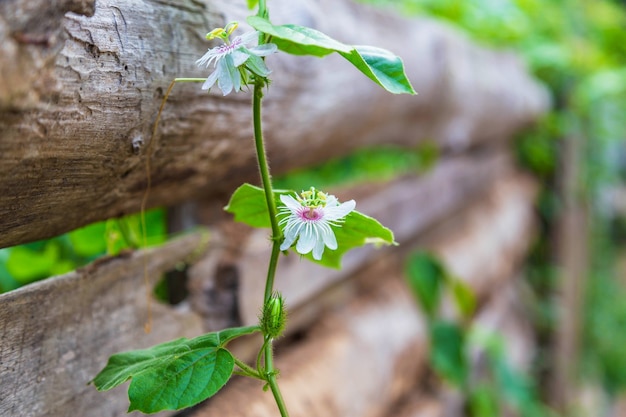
{"points": [[274, 316]]}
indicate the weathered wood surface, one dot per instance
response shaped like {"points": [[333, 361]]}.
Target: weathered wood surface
{"points": [[77, 90], [57, 334], [360, 359]]}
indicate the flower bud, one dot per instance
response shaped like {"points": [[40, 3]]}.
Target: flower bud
{"points": [[274, 316]]}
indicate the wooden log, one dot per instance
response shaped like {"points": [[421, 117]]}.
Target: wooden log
{"points": [[361, 358], [79, 95], [57, 334]]}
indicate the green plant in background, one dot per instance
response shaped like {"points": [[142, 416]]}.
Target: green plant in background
{"points": [[454, 342], [578, 49], [24, 264], [315, 225]]}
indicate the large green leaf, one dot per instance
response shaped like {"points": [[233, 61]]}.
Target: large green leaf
{"points": [[175, 374], [380, 65], [298, 40], [249, 206]]}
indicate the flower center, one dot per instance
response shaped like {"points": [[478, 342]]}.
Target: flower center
{"points": [[228, 48], [311, 214]]}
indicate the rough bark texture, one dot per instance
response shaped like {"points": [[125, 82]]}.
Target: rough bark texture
{"points": [[79, 95], [57, 334]]}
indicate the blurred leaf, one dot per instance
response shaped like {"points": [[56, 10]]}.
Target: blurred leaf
{"points": [[89, 241], [426, 278], [447, 352], [26, 265], [465, 298], [483, 401]]}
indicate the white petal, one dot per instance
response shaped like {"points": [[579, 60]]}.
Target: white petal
{"points": [[318, 250], [224, 80], [247, 37], [340, 211], [290, 237], [307, 240], [239, 57], [206, 59], [329, 237], [210, 81], [264, 50], [290, 202]]}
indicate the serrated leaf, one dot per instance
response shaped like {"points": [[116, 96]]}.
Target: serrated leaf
{"points": [[248, 206], [380, 65], [175, 374]]}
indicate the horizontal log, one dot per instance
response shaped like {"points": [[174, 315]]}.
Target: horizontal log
{"points": [[55, 335], [361, 358], [79, 95]]}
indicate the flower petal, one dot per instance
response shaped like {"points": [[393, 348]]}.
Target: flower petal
{"points": [[246, 37], [264, 50], [290, 237], [340, 211], [239, 57], [225, 76], [290, 202], [210, 81], [318, 250], [307, 240], [328, 237]]}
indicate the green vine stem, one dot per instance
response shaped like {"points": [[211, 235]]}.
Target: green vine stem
{"points": [[277, 236]]}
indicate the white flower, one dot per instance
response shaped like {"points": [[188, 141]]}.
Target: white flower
{"points": [[309, 219], [229, 57]]}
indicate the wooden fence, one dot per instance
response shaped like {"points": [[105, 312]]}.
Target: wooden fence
{"points": [[81, 84]]}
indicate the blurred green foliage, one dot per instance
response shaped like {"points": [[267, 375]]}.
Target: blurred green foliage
{"points": [[374, 164], [578, 49], [496, 385], [24, 264]]}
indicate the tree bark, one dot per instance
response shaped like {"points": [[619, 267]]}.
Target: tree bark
{"points": [[79, 95]]}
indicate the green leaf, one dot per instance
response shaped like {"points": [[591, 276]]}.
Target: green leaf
{"points": [[89, 241], [248, 206], [426, 278], [175, 374], [464, 297], [357, 230], [252, 4], [447, 351], [380, 65], [27, 265], [299, 40]]}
